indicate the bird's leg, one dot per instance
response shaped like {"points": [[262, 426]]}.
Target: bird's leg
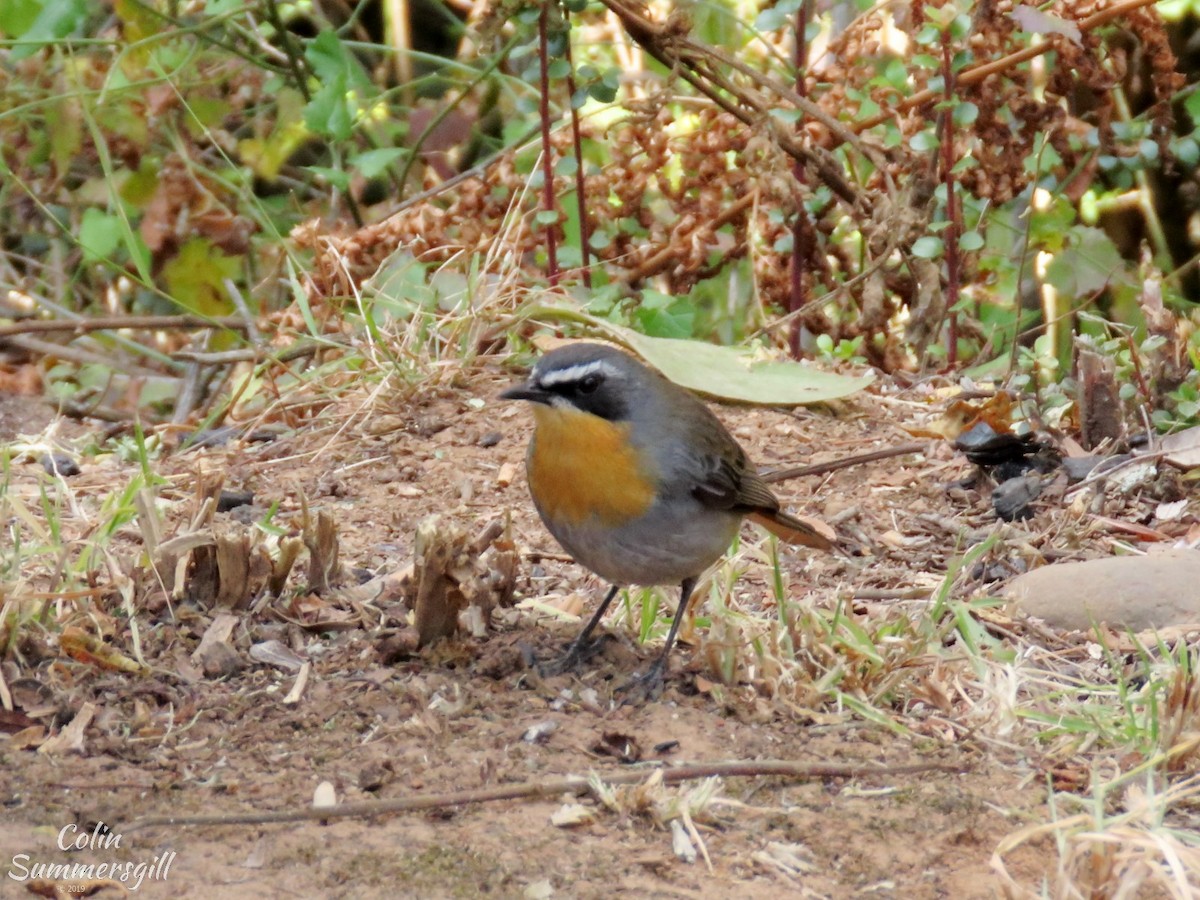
{"points": [[650, 685], [582, 645]]}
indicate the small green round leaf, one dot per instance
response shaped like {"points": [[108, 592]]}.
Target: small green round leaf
{"points": [[970, 241], [928, 247], [925, 141], [965, 113]]}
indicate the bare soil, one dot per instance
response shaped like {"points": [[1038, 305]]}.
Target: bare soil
{"points": [[381, 724]]}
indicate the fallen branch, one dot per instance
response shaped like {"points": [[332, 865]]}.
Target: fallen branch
{"points": [[572, 784]]}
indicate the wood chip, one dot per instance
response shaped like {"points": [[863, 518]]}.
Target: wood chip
{"points": [[70, 739], [571, 815]]}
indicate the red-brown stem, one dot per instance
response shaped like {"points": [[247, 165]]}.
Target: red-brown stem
{"points": [[1139, 377], [952, 214], [801, 234], [547, 150], [585, 231]]}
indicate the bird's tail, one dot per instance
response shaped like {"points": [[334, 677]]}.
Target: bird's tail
{"points": [[791, 530]]}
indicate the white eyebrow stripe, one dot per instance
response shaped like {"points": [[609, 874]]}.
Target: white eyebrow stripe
{"points": [[574, 373]]}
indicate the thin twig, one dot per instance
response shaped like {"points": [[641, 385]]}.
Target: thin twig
{"points": [[572, 784], [107, 323], [913, 593], [255, 354], [81, 356], [823, 468]]}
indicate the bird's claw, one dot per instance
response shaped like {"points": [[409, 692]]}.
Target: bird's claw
{"points": [[577, 654], [644, 688]]}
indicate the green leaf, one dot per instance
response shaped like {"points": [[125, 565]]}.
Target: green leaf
{"points": [[965, 113], [1088, 262], [1192, 104], [675, 321], [602, 89], [547, 216], [602, 92], [663, 315], [970, 241], [778, 16], [1187, 151], [332, 110], [896, 75], [329, 111], [56, 20], [18, 16], [929, 34], [927, 247], [732, 373], [336, 178], [331, 59], [771, 19], [599, 240], [374, 162], [924, 141], [195, 278], [99, 234], [1044, 158]]}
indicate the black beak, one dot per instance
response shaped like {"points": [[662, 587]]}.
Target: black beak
{"points": [[526, 391]]}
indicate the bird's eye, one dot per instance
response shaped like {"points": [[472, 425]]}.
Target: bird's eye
{"points": [[589, 384]]}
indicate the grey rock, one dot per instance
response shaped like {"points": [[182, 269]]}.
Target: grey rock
{"points": [[1135, 592]]}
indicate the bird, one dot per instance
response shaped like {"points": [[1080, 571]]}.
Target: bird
{"points": [[639, 481]]}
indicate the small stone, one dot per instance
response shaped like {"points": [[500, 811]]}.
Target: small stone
{"points": [[1012, 498], [1080, 467], [233, 499], [373, 776], [59, 464], [539, 733], [1138, 593], [220, 660], [325, 796]]}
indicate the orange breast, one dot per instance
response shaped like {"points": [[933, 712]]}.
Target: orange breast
{"points": [[583, 466]]}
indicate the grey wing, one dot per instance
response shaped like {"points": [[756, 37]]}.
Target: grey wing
{"points": [[730, 483]]}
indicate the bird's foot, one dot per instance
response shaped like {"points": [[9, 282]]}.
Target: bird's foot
{"points": [[644, 688], [577, 654]]}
